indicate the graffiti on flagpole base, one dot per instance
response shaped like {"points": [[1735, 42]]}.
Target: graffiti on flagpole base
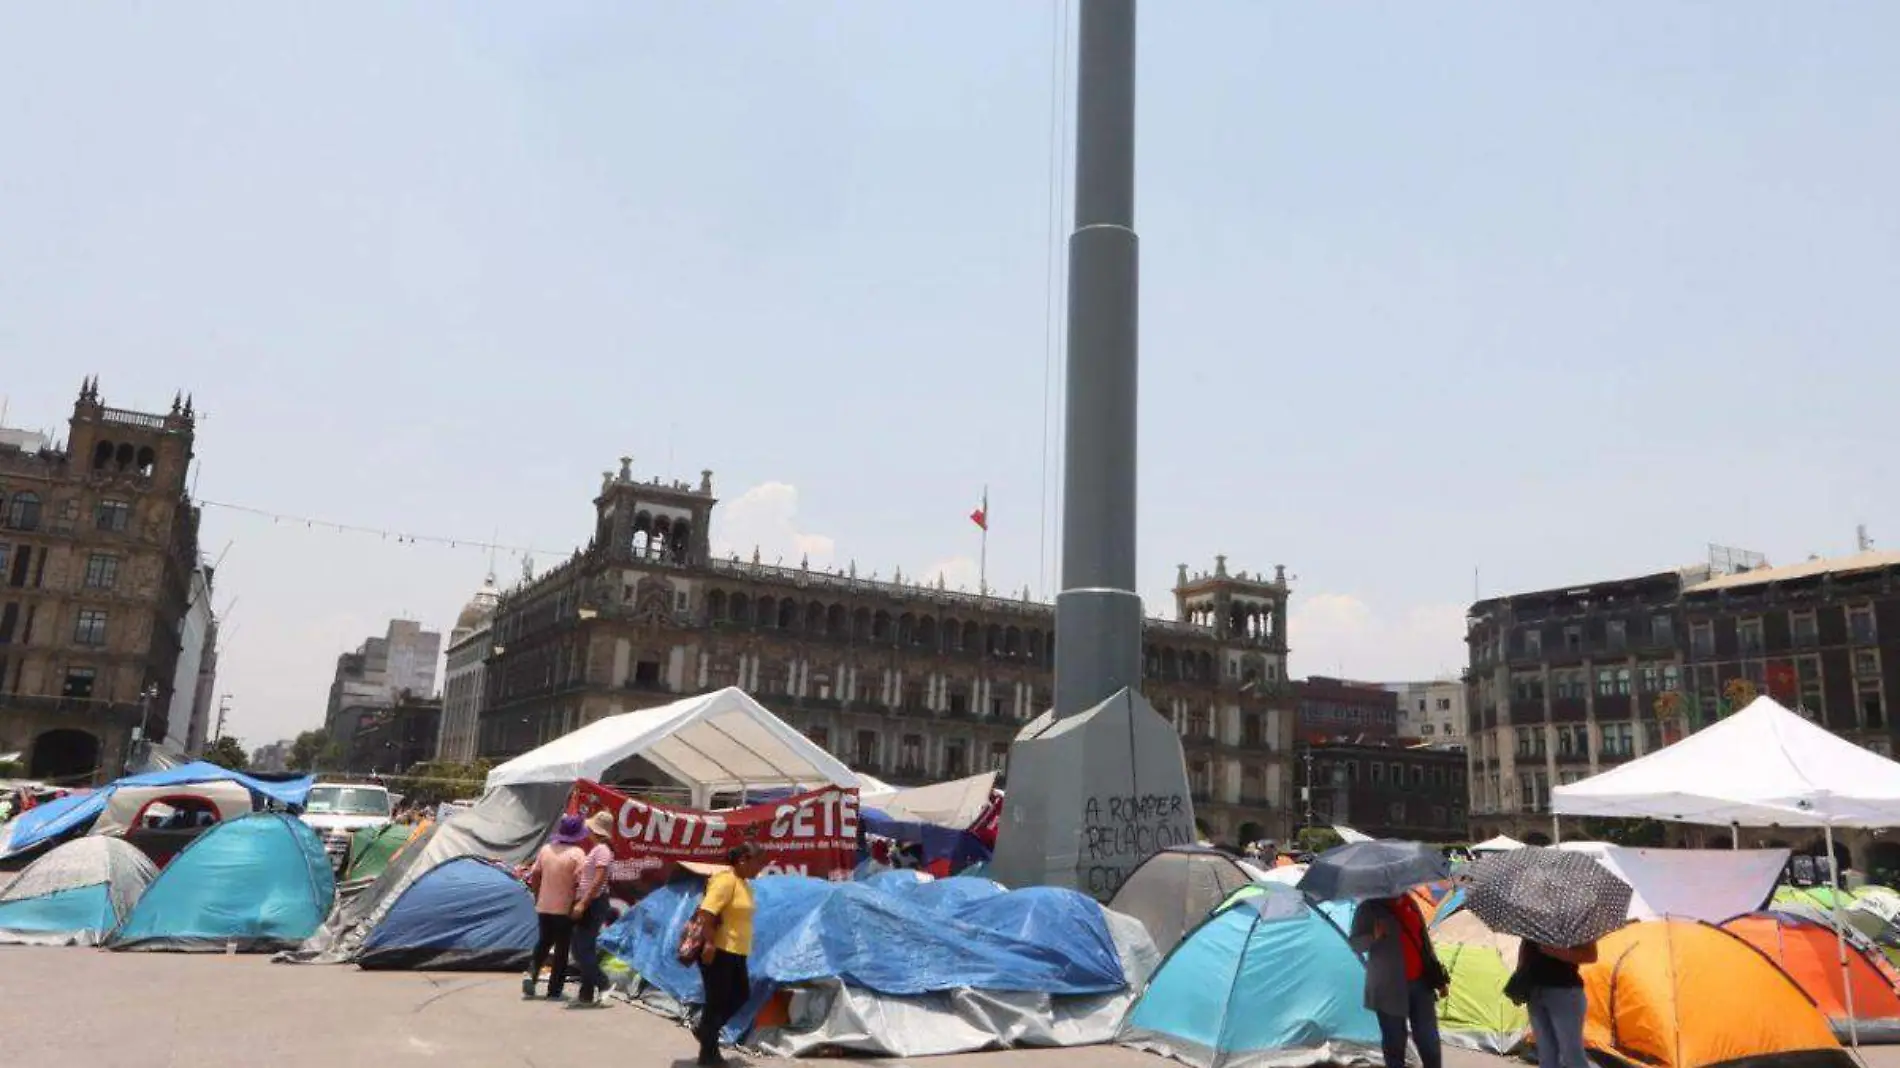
{"points": [[1120, 832]]}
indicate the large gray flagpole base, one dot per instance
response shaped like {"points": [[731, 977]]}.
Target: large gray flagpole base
{"points": [[1091, 796]]}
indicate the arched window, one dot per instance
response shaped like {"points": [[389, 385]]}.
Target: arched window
{"points": [[716, 605]]}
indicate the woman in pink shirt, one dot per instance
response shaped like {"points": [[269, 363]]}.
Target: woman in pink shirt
{"points": [[554, 877], [591, 909]]}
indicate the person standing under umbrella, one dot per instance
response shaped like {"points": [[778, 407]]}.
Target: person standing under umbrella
{"points": [[1404, 978], [1552, 987]]}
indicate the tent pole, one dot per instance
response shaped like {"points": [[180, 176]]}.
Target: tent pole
{"points": [[1840, 935], [1556, 830]]}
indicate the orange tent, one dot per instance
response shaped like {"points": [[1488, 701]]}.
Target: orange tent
{"points": [[1686, 994], [1807, 951]]}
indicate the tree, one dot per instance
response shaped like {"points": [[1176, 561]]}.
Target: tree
{"points": [[1317, 839], [312, 751], [228, 752]]}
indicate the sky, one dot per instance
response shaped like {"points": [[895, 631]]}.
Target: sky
{"points": [[1436, 299]]}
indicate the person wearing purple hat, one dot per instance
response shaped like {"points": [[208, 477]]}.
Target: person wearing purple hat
{"points": [[554, 877]]}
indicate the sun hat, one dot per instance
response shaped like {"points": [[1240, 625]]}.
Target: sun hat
{"points": [[601, 824], [570, 831]]}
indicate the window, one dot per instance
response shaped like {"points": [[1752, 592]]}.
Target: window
{"points": [[912, 758], [1573, 639], [1652, 678], [959, 703], [1569, 684], [820, 736], [1662, 630], [1527, 687], [1444, 704], [954, 765], [1748, 634], [1702, 638], [1378, 773], [1523, 741], [79, 682], [1250, 733], [1398, 774], [112, 515], [1619, 740], [1616, 635], [1807, 672], [1867, 663], [1418, 775], [1606, 682], [1425, 731], [867, 749], [1396, 811], [4, 550], [90, 629], [102, 571], [999, 756], [1803, 630], [1623, 682], [1565, 747], [1672, 677], [1873, 704], [1533, 643], [23, 511], [1860, 624]]}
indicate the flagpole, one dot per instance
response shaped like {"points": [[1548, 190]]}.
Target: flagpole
{"points": [[983, 552]]}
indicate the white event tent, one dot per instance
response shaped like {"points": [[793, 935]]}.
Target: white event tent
{"points": [[1761, 767], [721, 742]]}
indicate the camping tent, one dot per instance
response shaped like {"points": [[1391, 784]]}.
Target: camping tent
{"points": [[1500, 844], [507, 825], [1475, 1013], [466, 914], [75, 894], [1172, 892], [371, 849], [1806, 951], [1686, 994], [1269, 979], [258, 882], [69, 814], [718, 742]]}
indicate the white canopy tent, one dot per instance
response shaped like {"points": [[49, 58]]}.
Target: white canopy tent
{"points": [[1503, 843], [1761, 767], [956, 803], [719, 742]]}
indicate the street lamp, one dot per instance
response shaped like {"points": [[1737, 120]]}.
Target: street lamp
{"points": [[141, 733]]}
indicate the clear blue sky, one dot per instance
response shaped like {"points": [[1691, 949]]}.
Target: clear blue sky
{"points": [[1558, 293]]}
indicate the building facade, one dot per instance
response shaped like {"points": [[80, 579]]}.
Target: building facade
{"points": [[1339, 708], [392, 740], [377, 674], [194, 637], [198, 731], [1386, 790], [98, 545], [1567, 683], [462, 686], [1430, 712], [911, 682]]}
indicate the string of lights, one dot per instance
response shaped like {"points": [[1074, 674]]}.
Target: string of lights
{"points": [[398, 536]]}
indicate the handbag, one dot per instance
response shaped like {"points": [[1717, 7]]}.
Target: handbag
{"points": [[696, 943], [1517, 989]]}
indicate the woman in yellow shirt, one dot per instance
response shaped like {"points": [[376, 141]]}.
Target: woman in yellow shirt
{"points": [[726, 913]]}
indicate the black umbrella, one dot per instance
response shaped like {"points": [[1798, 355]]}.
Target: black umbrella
{"points": [[1547, 895], [1357, 871]]}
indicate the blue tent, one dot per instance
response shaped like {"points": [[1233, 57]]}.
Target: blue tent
{"points": [[467, 914], [72, 813], [1268, 979], [74, 895], [892, 934], [259, 882]]}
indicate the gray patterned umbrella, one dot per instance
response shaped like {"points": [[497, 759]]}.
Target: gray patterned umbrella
{"points": [[1357, 871], [1547, 895]]}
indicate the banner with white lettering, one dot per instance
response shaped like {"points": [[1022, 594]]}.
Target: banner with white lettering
{"points": [[813, 833]]}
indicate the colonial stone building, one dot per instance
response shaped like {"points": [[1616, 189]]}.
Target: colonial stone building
{"points": [[98, 543], [911, 682], [463, 691]]}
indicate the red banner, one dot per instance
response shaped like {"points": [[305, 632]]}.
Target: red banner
{"points": [[812, 833]]}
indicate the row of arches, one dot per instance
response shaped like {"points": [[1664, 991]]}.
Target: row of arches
{"points": [[123, 456], [1252, 621], [868, 626], [661, 537]]}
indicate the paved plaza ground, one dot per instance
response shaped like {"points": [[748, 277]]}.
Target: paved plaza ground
{"points": [[78, 1008]]}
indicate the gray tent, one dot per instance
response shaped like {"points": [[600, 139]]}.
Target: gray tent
{"points": [[507, 825], [1174, 890], [75, 894]]}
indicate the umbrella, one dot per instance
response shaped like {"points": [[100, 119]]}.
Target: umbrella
{"points": [[1550, 896], [1360, 870]]}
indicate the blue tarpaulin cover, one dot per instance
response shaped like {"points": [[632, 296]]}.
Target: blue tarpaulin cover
{"points": [[956, 845], [892, 934], [56, 818]]}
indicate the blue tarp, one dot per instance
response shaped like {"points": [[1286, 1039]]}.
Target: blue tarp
{"points": [[891, 934], [259, 882], [466, 913], [58, 817]]}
